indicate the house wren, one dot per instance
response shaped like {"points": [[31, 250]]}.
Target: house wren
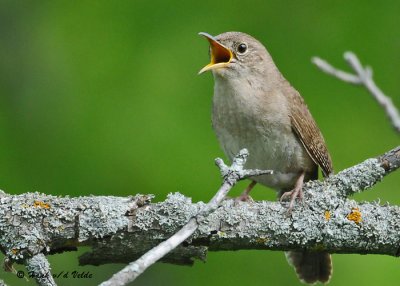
{"points": [[255, 107]]}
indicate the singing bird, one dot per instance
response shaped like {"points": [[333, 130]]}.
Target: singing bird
{"points": [[255, 107]]}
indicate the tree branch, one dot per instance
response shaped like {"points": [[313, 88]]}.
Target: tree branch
{"points": [[362, 76], [121, 229], [231, 176], [39, 268]]}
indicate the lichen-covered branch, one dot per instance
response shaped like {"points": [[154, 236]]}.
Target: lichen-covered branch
{"points": [[121, 229], [362, 76], [39, 268], [231, 175]]}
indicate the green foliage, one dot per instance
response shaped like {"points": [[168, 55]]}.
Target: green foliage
{"points": [[102, 97]]}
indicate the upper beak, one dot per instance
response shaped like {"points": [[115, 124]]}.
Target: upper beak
{"points": [[221, 56]]}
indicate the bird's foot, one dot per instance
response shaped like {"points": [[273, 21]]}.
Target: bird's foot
{"points": [[245, 197], [293, 194]]}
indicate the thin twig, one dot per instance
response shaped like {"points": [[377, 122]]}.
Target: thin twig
{"points": [[362, 76], [231, 175]]}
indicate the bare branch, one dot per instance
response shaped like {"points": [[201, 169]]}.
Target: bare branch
{"points": [[231, 175], [329, 69], [362, 76]]}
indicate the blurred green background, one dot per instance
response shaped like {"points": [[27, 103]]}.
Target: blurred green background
{"points": [[103, 98]]}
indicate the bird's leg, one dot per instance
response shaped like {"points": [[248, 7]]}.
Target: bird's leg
{"points": [[296, 192], [244, 197]]}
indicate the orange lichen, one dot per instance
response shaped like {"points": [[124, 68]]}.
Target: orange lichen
{"points": [[355, 215], [40, 204], [261, 240], [327, 215]]}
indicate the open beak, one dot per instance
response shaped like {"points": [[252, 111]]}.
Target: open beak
{"points": [[221, 56]]}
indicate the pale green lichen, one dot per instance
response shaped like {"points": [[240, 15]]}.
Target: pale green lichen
{"points": [[116, 226], [29, 223]]}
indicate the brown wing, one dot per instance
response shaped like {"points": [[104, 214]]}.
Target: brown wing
{"points": [[305, 127]]}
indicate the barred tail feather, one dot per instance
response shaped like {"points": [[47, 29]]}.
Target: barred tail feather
{"points": [[311, 267]]}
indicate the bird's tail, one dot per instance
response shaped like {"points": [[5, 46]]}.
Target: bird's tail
{"points": [[311, 267]]}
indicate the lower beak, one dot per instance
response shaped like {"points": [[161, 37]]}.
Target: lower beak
{"points": [[221, 56]]}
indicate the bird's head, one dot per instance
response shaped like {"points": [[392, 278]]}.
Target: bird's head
{"points": [[236, 53]]}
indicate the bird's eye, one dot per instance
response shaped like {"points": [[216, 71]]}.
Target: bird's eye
{"points": [[242, 48]]}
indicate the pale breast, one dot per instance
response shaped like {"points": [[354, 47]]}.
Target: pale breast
{"points": [[241, 119]]}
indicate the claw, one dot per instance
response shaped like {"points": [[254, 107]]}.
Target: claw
{"points": [[295, 193], [244, 197]]}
